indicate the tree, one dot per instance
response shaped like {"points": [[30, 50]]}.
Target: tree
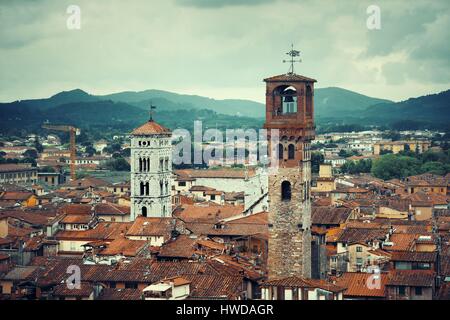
{"points": [[353, 167], [391, 166], [435, 168], [126, 152], [392, 135], [37, 145], [30, 153], [118, 164], [90, 150], [317, 159]]}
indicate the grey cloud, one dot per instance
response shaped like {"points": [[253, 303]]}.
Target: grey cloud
{"points": [[397, 27], [221, 3]]}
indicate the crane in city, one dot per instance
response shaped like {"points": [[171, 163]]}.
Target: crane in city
{"points": [[73, 147]]}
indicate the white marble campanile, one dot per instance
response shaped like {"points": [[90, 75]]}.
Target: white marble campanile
{"points": [[151, 171]]}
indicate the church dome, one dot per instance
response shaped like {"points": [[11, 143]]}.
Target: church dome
{"points": [[149, 128]]}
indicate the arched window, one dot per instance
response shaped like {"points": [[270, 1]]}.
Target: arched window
{"points": [[142, 189], [144, 211], [140, 165], [291, 151], [280, 151], [309, 101], [161, 187], [147, 189], [286, 190], [144, 164]]}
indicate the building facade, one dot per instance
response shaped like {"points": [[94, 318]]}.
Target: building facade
{"points": [[289, 112], [20, 174], [151, 171]]}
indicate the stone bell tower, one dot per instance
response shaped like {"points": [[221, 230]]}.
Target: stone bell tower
{"points": [[151, 171], [290, 110]]}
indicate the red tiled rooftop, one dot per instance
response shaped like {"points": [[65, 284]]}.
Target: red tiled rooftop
{"points": [[149, 128]]}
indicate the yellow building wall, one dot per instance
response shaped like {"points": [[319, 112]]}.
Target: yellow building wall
{"points": [[6, 287], [3, 227], [422, 213]]}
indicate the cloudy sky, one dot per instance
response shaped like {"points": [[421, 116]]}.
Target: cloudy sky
{"points": [[222, 48]]}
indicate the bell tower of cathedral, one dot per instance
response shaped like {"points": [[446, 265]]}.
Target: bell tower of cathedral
{"points": [[290, 110], [151, 171]]}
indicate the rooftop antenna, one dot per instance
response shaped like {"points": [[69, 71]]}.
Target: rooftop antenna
{"points": [[293, 53], [152, 107]]}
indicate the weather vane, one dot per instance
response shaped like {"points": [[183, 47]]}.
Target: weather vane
{"points": [[152, 107], [293, 53]]}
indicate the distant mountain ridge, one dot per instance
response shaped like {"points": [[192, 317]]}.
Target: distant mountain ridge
{"points": [[125, 109], [432, 107], [338, 102]]}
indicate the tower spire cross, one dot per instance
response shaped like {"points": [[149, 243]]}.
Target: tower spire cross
{"points": [[152, 107], [293, 53]]}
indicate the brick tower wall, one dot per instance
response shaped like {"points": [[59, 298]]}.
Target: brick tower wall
{"points": [[289, 225]]}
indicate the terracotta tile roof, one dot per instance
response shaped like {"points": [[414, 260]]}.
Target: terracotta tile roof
{"points": [[52, 271], [31, 218], [289, 77], [4, 257], [380, 253], [228, 265], [356, 284], [213, 287], [233, 196], [87, 182], [426, 179], [19, 273], [76, 219], [414, 256], [401, 242], [414, 278], [147, 226], [217, 173], [149, 128], [261, 218], [227, 229], [333, 234], [123, 246], [14, 168], [329, 215], [120, 294], [177, 281], [181, 247], [62, 290], [353, 235], [111, 209], [201, 188], [208, 212], [103, 231], [303, 283], [211, 244], [20, 232], [16, 196], [36, 242], [77, 209], [322, 202]]}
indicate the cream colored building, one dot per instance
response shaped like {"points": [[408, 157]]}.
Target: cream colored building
{"points": [[398, 146]]}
